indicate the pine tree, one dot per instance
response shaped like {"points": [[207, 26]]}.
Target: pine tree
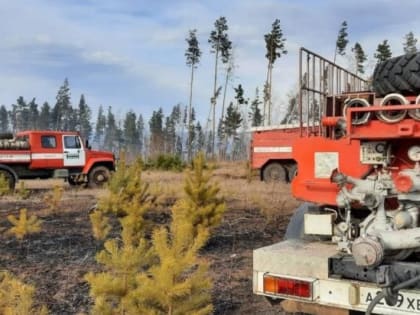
{"points": [[200, 138], [20, 114], [410, 43], [360, 58], [61, 111], [232, 122], [33, 115], [383, 52], [4, 119], [24, 225], [45, 117], [342, 41], [100, 127], [111, 133], [275, 48], [228, 61], [156, 132], [140, 130], [131, 134], [193, 55], [255, 112], [220, 44], [83, 121]]}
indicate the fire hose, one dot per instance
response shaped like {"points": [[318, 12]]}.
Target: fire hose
{"points": [[394, 291]]}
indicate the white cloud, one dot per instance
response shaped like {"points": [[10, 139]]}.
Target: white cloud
{"points": [[131, 53]]}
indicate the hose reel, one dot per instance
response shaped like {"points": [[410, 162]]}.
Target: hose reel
{"points": [[393, 116], [415, 113], [358, 118]]}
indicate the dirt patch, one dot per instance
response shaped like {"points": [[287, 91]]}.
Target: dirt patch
{"points": [[56, 259]]}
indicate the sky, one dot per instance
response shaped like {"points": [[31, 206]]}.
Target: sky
{"points": [[129, 54]]}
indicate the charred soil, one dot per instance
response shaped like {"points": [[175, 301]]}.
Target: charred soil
{"points": [[56, 259]]}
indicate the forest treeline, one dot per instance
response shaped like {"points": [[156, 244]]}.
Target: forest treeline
{"points": [[225, 133]]}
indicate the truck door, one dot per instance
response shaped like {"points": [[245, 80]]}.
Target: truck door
{"points": [[74, 154]]}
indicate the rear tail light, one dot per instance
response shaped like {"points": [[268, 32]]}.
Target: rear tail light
{"points": [[288, 286]]}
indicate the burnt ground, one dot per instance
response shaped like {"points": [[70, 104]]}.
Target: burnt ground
{"points": [[56, 259]]}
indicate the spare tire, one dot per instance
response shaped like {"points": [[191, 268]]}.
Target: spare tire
{"points": [[398, 75]]}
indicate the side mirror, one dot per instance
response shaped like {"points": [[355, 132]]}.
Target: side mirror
{"points": [[87, 145]]}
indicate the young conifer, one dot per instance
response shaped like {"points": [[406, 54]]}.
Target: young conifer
{"points": [[123, 258], [166, 276], [53, 199], [23, 192], [16, 298], [100, 225], [23, 225], [202, 205], [178, 282]]}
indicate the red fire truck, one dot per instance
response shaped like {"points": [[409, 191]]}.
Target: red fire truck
{"points": [[271, 152], [47, 154]]}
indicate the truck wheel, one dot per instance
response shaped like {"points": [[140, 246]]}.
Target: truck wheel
{"points": [[98, 176], [398, 75], [71, 181], [9, 178], [274, 172]]}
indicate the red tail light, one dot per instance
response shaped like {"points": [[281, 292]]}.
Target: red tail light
{"points": [[288, 286]]}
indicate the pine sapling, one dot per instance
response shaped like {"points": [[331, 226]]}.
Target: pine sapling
{"points": [[100, 225], [202, 203], [16, 298], [178, 282], [123, 257], [53, 199], [23, 192], [23, 225]]}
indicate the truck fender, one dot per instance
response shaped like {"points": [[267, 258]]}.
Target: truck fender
{"points": [[93, 162]]}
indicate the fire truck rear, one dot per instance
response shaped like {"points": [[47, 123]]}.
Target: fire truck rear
{"points": [[354, 245]]}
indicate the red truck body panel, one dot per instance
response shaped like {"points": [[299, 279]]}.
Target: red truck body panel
{"points": [[272, 143]]}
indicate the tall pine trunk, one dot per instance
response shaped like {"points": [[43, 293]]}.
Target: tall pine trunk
{"points": [[190, 113], [269, 91], [214, 102], [266, 96]]}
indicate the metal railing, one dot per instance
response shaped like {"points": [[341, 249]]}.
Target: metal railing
{"points": [[320, 78]]}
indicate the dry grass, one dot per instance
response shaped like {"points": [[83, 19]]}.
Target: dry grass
{"points": [[241, 191]]}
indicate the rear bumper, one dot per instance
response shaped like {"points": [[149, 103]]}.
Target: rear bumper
{"points": [[297, 259]]}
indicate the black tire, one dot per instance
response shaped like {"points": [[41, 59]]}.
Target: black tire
{"points": [[10, 179], [73, 182], [98, 176], [398, 75], [274, 172]]}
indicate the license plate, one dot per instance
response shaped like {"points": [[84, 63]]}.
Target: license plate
{"points": [[408, 302]]}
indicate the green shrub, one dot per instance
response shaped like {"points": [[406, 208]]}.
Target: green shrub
{"points": [[166, 162]]}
